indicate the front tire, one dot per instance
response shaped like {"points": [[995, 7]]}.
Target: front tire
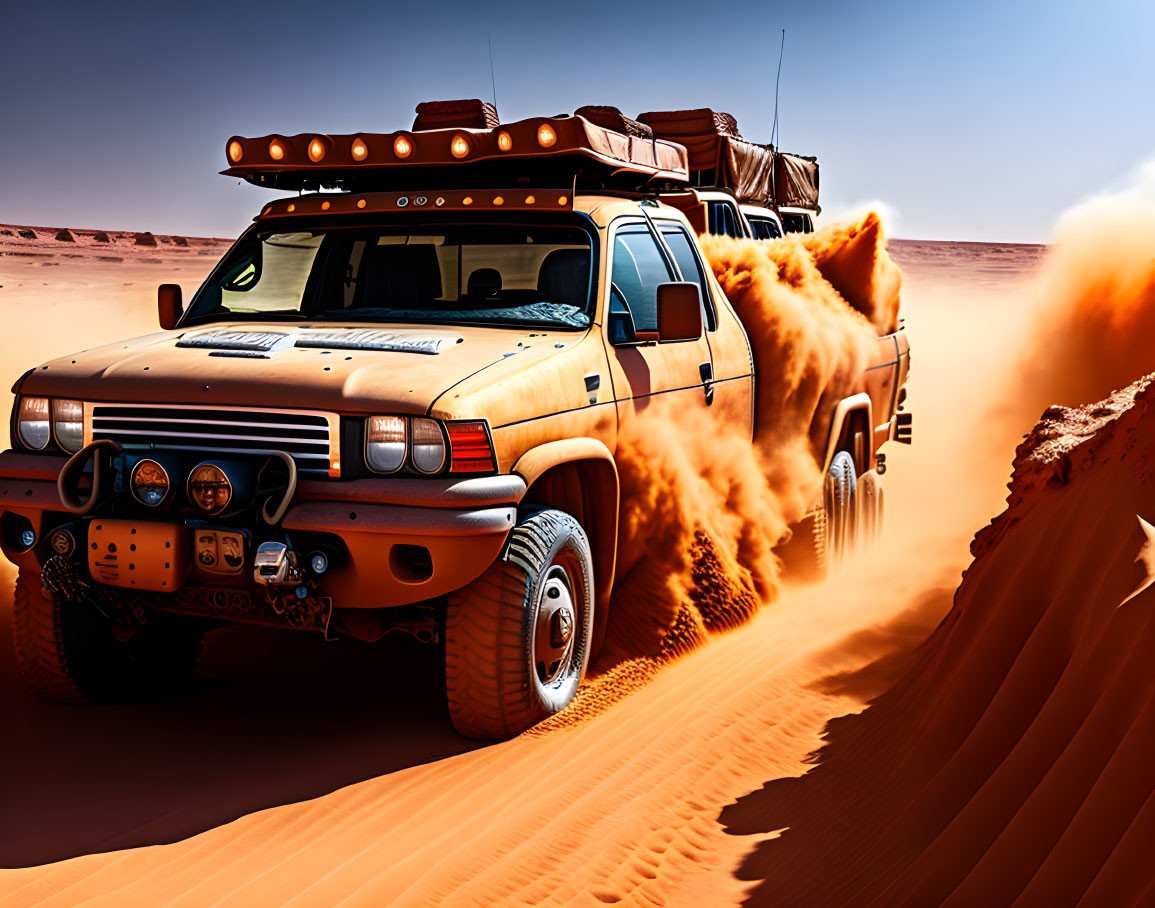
{"points": [[68, 652], [517, 639]]}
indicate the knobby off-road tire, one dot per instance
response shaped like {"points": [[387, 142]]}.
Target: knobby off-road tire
{"points": [[804, 554], [517, 639], [69, 653], [829, 534]]}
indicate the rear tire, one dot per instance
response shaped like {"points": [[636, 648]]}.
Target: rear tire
{"points": [[68, 652], [517, 639], [840, 500], [870, 508]]}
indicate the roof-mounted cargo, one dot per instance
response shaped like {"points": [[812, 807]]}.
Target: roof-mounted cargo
{"points": [[719, 156], [541, 151]]}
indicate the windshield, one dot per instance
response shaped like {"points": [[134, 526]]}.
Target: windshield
{"points": [[454, 273]]}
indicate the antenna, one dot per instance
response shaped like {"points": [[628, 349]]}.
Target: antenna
{"points": [[492, 80], [777, 80]]}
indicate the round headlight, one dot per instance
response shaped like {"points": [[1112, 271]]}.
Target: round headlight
{"points": [[68, 424], [428, 446], [384, 443], [33, 424], [209, 488], [149, 483]]}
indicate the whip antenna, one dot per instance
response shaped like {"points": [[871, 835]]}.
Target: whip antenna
{"points": [[777, 79], [492, 80]]}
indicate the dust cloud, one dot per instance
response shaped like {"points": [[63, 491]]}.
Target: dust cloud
{"points": [[702, 508], [1094, 304]]}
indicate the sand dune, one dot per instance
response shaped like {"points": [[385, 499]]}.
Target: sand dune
{"points": [[1013, 763]]}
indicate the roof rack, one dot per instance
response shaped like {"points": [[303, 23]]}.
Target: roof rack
{"points": [[564, 151]]}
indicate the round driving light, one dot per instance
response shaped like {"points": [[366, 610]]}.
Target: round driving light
{"points": [[236, 151], [27, 538], [504, 140], [62, 542], [318, 563], [318, 148], [359, 149], [149, 483], [459, 147], [428, 445], [68, 424], [276, 149], [546, 136], [33, 424], [209, 488], [402, 146]]}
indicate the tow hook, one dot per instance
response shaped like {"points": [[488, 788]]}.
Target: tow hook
{"points": [[276, 564]]}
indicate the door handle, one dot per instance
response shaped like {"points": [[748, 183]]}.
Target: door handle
{"points": [[706, 370]]}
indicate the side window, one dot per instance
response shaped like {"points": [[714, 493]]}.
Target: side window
{"points": [[638, 269], [794, 223], [764, 229], [691, 268], [724, 220]]}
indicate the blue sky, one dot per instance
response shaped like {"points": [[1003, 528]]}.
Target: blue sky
{"points": [[975, 121]]}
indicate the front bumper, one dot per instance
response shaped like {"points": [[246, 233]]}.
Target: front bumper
{"points": [[408, 540]]}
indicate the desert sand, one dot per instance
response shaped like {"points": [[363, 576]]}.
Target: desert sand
{"points": [[1002, 756]]}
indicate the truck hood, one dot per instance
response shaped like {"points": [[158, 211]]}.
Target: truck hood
{"points": [[397, 368]]}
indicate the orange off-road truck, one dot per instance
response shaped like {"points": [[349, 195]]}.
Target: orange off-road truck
{"points": [[393, 406]]}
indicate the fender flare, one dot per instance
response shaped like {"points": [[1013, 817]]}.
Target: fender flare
{"points": [[537, 461], [853, 404]]}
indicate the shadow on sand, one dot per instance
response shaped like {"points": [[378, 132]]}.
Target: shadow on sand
{"points": [[271, 717]]}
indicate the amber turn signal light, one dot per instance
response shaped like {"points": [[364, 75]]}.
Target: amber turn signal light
{"points": [[359, 150], [402, 146], [504, 140], [276, 149], [459, 147], [236, 151]]}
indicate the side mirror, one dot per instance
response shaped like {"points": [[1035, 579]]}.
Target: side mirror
{"points": [[679, 311], [168, 305]]}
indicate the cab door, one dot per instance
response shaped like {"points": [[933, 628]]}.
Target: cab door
{"points": [[642, 369]]}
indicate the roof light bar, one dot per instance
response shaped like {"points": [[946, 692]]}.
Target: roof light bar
{"points": [[285, 161], [440, 200]]}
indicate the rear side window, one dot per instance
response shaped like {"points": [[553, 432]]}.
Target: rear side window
{"points": [[638, 269], [691, 267], [724, 220], [764, 228], [797, 223]]}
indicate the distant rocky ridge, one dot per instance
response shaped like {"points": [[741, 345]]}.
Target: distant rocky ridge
{"points": [[14, 235]]}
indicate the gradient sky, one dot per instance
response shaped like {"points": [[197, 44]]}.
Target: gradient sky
{"points": [[977, 121]]}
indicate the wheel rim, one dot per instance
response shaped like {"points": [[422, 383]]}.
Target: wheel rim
{"points": [[555, 631]]}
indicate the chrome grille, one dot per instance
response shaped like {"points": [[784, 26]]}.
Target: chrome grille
{"points": [[307, 437]]}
